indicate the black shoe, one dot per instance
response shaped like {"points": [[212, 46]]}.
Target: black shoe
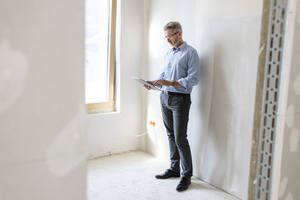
{"points": [[183, 184], [168, 174]]}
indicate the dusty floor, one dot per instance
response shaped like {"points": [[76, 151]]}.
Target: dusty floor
{"points": [[130, 176]]}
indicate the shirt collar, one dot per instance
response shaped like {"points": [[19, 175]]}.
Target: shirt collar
{"points": [[181, 47]]}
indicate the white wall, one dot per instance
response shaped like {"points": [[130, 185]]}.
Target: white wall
{"points": [[226, 35], [42, 146], [116, 132], [286, 179]]}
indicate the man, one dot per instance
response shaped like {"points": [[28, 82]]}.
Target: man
{"points": [[181, 73]]}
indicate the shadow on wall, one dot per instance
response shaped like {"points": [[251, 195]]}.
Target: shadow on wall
{"points": [[202, 102], [219, 125], [214, 108]]}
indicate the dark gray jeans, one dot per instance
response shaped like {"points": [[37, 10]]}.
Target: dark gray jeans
{"points": [[175, 112]]}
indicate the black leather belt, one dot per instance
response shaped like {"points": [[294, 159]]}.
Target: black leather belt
{"points": [[175, 93]]}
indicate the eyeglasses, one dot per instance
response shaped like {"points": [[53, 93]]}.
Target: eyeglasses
{"points": [[170, 36]]}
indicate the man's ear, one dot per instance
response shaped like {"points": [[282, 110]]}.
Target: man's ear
{"points": [[180, 33]]}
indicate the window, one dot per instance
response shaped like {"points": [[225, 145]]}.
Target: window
{"points": [[100, 35]]}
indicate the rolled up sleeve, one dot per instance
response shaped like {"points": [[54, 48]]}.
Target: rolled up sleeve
{"points": [[193, 72]]}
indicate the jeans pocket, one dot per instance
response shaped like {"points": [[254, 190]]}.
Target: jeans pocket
{"points": [[176, 101]]}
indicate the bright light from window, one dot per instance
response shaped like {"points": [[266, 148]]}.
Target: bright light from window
{"points": [[96, 50]]}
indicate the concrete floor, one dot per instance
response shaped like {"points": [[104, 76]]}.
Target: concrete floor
{"points": [[130, 176]]}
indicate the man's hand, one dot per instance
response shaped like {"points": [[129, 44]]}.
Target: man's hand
{"points": [[166, 83], [148, 87], [162, 82]]}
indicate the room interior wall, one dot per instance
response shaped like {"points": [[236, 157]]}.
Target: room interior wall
{"points": [[43, 137], [42, 142], [286, 177], [226, 36], [117, 132]]}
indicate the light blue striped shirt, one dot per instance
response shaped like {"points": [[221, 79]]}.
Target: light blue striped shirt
{"points": [[181, 65]]}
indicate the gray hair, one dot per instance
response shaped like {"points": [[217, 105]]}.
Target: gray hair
{"points": [[175, 26]]}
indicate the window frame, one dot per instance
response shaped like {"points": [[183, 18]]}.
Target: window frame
{"points": [[109, 105]]}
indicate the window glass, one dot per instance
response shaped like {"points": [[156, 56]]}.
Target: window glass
{"points": [[96, 50]]}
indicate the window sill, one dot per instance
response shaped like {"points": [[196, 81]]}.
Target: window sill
{"points": [[107, 112]]}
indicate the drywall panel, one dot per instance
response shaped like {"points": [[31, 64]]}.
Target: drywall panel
{"points": [[226, 36], [42, 143], [290, 165]]}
